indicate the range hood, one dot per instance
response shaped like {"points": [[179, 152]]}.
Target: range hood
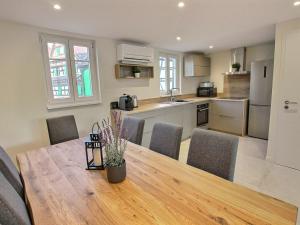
{"points": [[238, 55]]}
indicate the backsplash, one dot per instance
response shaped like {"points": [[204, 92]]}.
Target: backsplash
{"points": [[237, 86]]}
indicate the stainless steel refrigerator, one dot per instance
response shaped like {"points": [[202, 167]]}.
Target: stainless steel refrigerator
{"points": [[260, 98]]}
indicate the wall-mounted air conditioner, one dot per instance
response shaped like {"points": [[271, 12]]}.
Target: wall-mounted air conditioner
{"points": [[134, 54]]}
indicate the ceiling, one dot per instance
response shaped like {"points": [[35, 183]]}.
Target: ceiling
{"points": [[224, 24]]}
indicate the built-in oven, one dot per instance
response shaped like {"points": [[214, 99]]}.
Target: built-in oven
{"points": [[202, 114]]}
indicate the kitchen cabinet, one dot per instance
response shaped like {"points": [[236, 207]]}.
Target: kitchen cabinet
{"points": [[189, 120], [196, 65], [173, 115], [181, 115], [228, 116]]}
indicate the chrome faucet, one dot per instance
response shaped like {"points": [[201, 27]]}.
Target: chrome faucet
{"points": [[172, 98]]}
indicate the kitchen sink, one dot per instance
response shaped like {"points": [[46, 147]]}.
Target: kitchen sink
{"points": [[180, 100], [177, 101]]}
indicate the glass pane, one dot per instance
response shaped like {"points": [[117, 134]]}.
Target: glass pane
{"points": [[83, 79], [163, 85], [162, 61], [59, 79], [173, 79], [171, 84], [56, 50], [172, 72], [162, 73], [81, 53], [172, 62]]}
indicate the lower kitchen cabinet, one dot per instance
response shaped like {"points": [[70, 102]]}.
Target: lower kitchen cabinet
{"points": [[228, 116], [189, 120], [224, 115], [181, 115]]}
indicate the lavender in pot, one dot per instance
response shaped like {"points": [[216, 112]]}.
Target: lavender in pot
{"points": [[115, 146]]}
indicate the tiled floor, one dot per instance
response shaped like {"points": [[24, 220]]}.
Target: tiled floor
{"points": [[253, 171]]}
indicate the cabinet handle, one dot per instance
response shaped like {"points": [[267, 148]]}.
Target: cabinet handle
{"points": [[225, 116]]}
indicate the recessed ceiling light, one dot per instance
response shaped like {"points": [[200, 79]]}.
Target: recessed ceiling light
{"points": [[57, 7], [211, 46], [178, 38], [296, 3], [180, 4]]}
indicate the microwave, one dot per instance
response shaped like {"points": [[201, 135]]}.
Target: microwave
{"points": [[206, 92]]}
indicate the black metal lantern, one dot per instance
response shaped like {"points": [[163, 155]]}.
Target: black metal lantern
{"points": [[93, 150]]}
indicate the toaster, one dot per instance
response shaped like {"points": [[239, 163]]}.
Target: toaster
{"points": [[126, 103]]}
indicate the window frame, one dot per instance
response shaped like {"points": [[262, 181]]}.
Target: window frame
{"points": [[74, 99], [168, 56]]}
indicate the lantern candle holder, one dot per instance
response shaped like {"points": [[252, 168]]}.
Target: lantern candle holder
{"points": [[94, 152]]}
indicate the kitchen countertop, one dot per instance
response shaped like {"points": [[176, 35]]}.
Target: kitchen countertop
{"points": [[163, 105]]}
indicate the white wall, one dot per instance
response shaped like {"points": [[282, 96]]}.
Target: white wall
{"points": [[282, 29], [220, 61], [22, 88]]}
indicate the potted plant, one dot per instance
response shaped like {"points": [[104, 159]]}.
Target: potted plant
{"points": [[136, 72], [115, 146], [236, 67]]}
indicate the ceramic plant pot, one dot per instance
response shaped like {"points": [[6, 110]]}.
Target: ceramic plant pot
{"points": [[137, 75], [116, 174], [234, 70]]}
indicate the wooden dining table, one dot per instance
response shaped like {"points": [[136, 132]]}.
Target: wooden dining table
{"points": [[157, 190]]}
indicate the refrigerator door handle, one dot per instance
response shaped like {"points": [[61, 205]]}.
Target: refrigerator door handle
{"points": [[265, 71]]}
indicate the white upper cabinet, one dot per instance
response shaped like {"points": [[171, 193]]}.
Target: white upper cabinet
{"points": [[196, 65]]}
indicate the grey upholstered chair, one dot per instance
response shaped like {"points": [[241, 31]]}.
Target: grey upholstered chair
{"points": [[8, 169], [13, 209], [62, 129], [133, 129], [213, 152], [166, 139]]}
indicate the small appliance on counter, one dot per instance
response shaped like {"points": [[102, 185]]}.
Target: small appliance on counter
{"points": [[207, 89], [114, 105], [135, 101], [126, 102]]}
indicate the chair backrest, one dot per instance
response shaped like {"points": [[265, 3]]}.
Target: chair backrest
{"points": [[8, 169], [133, 129], [213, 152], [62, 129], [166, 139], [13, 209]]}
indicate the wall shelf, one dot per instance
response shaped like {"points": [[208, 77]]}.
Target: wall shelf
{"points": [[124, 71]]}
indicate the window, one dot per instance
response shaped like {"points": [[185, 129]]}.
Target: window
{"points": [[169, 71], [70, 71]]}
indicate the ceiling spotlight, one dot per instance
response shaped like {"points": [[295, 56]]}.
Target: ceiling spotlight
{"points": [[211, 46], [178, 38], [296, 3], [57, 7], [180, 4]]}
